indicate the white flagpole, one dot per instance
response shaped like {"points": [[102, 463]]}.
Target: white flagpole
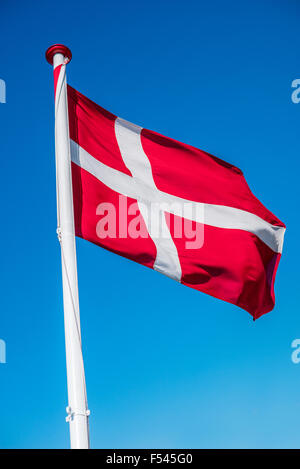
{"points": [[59, 56]]}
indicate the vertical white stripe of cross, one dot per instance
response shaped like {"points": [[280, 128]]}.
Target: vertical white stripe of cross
{"points": [[129, 140]]}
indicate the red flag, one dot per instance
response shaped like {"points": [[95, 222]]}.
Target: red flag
{"points": [[171, 207]]}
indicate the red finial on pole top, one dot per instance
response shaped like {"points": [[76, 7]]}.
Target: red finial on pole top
{"points": [[58, 49]]}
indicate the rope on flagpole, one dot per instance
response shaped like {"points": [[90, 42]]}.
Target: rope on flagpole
{"points": [[71, 412], [61, 79]]}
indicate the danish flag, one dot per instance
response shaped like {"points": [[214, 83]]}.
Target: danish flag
{"points": [[164, 182]]}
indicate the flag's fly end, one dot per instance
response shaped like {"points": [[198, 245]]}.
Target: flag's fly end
{"points": [[58, 49]]}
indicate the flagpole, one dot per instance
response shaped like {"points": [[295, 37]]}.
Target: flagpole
{"points": [[78, 413]]}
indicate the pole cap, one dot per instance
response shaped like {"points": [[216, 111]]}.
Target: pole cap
{"points": [[58, 49]]}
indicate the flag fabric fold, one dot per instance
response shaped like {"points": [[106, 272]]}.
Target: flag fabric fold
{"points": [[171, 207]]}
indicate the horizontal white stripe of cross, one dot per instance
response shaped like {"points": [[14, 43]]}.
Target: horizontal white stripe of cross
{"points": [[142, 188]]}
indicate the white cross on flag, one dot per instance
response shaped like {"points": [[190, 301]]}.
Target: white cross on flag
{"points": [[171, 207]]}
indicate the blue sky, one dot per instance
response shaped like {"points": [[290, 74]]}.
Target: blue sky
{"points": [[166, 366]]}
